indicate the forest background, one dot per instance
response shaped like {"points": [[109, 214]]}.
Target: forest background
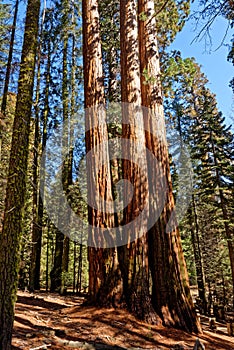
{"points": [[50, 260]]}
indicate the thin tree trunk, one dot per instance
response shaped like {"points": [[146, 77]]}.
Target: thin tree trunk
{"points": [[67, 165], [9, 61], [35, 264], [112, 81], [73, 104], [197, 254], [34, 276], [170, 292], [8, 74], [56, 272], [74, 268], [65, 265], [47, 258], [10, 237], [79, 277], [60, 261]]}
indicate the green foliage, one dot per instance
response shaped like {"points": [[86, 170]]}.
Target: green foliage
{"points": [[192, 110], [110, 36], [171, 16], [143, 16], [180, 75], [149, 79], [61, 97]]}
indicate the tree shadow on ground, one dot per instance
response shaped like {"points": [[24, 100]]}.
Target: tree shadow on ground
{"points": [[39, 320], [40, 302]]}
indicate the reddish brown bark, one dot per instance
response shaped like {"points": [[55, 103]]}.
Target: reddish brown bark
{"points": [[134, 255], [170, 295], [104, 283]]}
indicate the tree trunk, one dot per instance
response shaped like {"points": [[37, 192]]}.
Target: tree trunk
{"points": [[47, 256], [16, 186], [8, 72], [35, 263], [9, 61], [133, 256], [79, 272], [67, 164], [104, 281], [56, 272], [197, 254], [34, 278], [74, 268], [65, 265], [170, 292]]}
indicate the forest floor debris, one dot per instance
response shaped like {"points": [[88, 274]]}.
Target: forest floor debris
{"points": [[49, 321]]}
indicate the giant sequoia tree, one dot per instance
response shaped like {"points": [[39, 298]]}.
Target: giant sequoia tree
{"points": [[140, 84], [103, 264], [171, 295], [15, 193], [134, 255], [149, 262]]}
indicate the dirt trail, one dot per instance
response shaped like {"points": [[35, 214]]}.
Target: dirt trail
{"points": [[49, 321]]}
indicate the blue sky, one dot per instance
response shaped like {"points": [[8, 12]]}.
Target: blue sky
{"points": [[213, 61]]}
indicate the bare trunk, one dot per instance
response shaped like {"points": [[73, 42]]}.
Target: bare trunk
{"points": [[65, 265], [4, 119], [60, 268], [35, 263], [8, 73], [10, 237], [104, 282], [170, 295], [194, 228], [80, 261], [134, 256]]}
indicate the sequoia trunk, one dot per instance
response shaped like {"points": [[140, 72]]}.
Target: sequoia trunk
{"points": [[171, 294], [134, 255], [104, 277]]}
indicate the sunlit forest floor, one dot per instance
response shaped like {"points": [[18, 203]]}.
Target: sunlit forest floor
{"points": [[49, 321]]}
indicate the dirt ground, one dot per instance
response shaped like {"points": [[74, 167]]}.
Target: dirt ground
{"points": [[49, 321]]}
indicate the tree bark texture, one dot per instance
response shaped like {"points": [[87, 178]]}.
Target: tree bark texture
{"points": [[134, 255], [38, 181], [10, 237], [170, 295], [105, 286]]}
